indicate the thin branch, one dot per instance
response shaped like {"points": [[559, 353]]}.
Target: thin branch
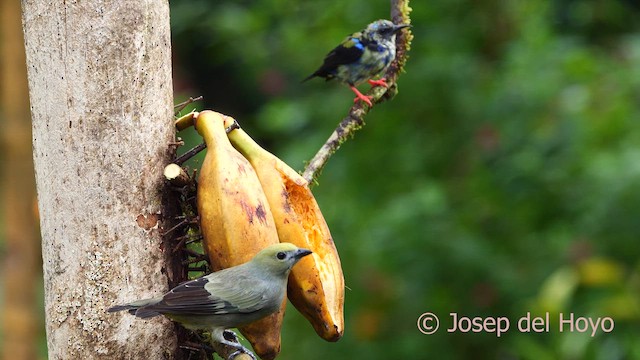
{"points": [[355, 120], [182, 105], [199, 269], [189, 154], [176, 226]]}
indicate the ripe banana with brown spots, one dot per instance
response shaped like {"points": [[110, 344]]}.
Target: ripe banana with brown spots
{"points": [[235, 219], [316, 284]]}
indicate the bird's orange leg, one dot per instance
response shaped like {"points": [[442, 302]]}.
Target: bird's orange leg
{"points": [[360, 96], [381, 82]]}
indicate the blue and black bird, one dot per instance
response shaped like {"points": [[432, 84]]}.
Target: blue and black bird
{"points": [[362, 56]]}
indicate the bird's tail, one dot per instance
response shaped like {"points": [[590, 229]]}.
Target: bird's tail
{"points": [[130, 308], [309, 77], [320, 73], [137, 308]]}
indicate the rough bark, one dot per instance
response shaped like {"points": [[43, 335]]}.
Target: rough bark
{"points": [[21, 312], [101, 102]]}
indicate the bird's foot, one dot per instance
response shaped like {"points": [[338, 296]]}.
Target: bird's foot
{"points": [[242, 351], [231, 339], [380, 82], [231, 336], [366, 99], [360, 96]]}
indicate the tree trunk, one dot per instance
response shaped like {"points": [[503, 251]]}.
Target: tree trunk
{"points": [[101, 104], [21, 268]]}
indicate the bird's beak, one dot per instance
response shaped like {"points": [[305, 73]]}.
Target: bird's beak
{"points": [[300, 253], [399, 27]]}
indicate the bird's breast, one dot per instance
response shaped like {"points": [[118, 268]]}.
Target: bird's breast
{"points": [[375, 59]]}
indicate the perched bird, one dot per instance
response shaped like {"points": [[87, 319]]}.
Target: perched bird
{"points": [[362, 56], [227, 298]]}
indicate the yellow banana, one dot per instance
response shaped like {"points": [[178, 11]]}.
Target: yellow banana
{"points": [[316, 284], [235, 219]]}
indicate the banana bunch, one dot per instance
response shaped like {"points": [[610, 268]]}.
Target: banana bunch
{"points": [[250, 199]]}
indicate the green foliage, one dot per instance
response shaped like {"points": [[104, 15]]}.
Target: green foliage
{"points": [[502, 179]]}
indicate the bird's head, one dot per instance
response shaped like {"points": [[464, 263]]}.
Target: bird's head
{"points": [[383, 30], [280, 258]]}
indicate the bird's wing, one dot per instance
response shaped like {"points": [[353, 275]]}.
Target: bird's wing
{"points": [[349, 51], [211, 295]]}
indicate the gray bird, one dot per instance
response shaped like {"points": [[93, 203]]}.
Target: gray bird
{"points": [[228, 298]]}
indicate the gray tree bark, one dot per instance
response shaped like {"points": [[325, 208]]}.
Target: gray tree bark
{"points": [[101, 104]]}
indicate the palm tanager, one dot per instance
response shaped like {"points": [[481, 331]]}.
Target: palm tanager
{"points": [[227, 298]]}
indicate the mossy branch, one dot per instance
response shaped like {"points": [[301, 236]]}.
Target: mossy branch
{"points": [[355, 120]]}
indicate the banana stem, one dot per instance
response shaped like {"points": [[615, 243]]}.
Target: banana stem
{"points": [[244, 143], [176, 175], [181, 124], [185, 121]]}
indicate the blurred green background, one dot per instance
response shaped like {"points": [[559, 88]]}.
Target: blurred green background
{"points": [[503, 179]]}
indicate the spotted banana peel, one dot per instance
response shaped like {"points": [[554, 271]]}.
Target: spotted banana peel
{"points": [[235, 219], [316, 284]]}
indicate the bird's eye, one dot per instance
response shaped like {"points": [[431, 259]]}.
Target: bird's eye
{"points": [[281, 255]]}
